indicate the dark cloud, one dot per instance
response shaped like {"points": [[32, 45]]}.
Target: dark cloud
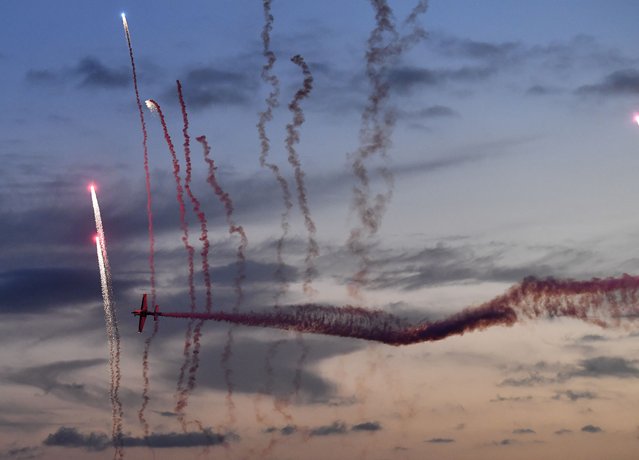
{"points": [[543, 373], [524, 431], [563, 431], [367, 426], [72, 438], [253, 376], [284, 431], [593, 338], [42, 77], [407, 78], [512, 399], [21, 453], [574, 395], [542, 90], [591, 429], [209, 86], [40, 289], [427, 113], [473, 49], [619, 83], [506, 442], [440, 440], [94, 74], [48, 378], [444, 263], [606, 366], [336, 427]]}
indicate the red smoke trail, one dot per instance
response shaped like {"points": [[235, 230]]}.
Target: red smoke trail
{"points": [[183, 391], [154, 106], [378, 121], [226, 201], [603, 302], [264, 117], [292, 138], [149, 212]]}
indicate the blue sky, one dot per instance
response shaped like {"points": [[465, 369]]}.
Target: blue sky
{"points": [[514, 153]]}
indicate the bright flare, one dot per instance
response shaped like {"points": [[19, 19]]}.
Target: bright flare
{"points": [[124, 23], [636, 118], [151, 105]]}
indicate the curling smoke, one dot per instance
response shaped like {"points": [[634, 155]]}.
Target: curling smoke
{"points": [[603, 302], [183, 390], [292, 138], [113, 335], [155, 107], [264, 117], [149, 212], [225, 199], [385, 46]]}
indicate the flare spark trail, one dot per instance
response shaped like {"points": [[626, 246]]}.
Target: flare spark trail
{"points": [[602, 302], [113, 334]]}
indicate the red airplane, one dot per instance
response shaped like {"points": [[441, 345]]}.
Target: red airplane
{"points": [[143, 312]]}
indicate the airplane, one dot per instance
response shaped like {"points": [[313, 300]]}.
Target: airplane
{"points": [[143, 312]]}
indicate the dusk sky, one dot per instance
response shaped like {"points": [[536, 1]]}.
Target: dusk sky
{"points": [[513, 153]]}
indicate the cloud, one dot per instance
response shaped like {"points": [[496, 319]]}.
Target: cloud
{"points": [[524, 431], [42, 77], [33, 290], [619, 83], [543, 373], [440, 440], [94, 74], [427, 113], [574, 395], [48, 378], [563, 431], [606, 366], [404, 79], [209, 86], [367, 426], [512, 398], [71, 437], [591, 429], [336, 427], [21, 453], [96, 441], [272, 366], [593, 338], [505, 442], [542, 90], [90, 72]]}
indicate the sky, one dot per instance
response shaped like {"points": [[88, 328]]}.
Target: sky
{"points": [[508, 132]]}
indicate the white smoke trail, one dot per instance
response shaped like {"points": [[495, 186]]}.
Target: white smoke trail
{"points": [[113, 334]]}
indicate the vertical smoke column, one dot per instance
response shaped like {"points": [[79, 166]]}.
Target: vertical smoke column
{"points": [[183, 390], [113, 334], [292, 138], [226, 201], [149, 212], [264, 117], [155, 107], [378, 120]]}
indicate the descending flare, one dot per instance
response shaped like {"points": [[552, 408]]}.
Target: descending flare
{"points": [[636, 118]]}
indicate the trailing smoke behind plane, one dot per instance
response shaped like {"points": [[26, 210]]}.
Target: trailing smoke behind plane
{"points": [[603, 302]]}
